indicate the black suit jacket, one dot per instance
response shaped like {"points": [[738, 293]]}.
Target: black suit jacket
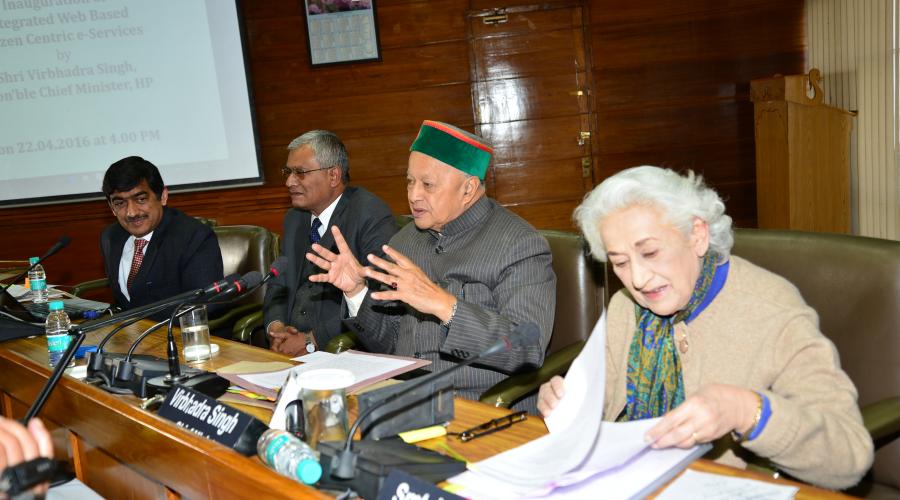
{"points": [[183, 255], [366, 223]]}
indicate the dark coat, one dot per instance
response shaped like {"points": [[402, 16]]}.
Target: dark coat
{"points": [[366, 223], [183, 255]]}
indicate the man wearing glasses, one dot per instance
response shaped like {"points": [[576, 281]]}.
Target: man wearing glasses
{"points": [[299, 314], [154, 251]]}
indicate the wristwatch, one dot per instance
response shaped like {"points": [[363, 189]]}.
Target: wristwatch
{"points": [[310, 343]]}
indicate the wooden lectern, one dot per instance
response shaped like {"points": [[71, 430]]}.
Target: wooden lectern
{"points": [[802, 156]]}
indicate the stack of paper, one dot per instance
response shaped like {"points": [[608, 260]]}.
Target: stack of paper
{"points": [[366, 368], [582, 454]]}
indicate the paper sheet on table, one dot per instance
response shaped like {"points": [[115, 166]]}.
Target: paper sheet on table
{"points": [[693, 484], [270, 380], [242, 367], [574, 425], [581, 450], [366, 368], [638, 478], [314, 356]]}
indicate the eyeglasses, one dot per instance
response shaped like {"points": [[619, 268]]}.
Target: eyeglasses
{"points": [[491, 426], [118, 204], [299, 172]]}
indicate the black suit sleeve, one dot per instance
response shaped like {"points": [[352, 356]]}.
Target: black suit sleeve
{"points": [[275, 302]]}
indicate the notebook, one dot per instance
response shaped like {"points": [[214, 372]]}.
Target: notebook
{"points": [[37, 313]]}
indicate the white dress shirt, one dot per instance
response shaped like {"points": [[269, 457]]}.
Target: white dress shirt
{"points": [[125, 261]]}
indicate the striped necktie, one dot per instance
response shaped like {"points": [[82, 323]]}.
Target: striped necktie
{"points": [[139, 245]]}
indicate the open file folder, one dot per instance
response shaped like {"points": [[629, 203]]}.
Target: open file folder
{"points": [[582, 456]]}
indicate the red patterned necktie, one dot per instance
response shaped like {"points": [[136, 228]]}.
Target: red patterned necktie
{"points": [[136, 261]]}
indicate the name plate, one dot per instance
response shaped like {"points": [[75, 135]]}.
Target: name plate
{"points": [[402, 486], [207, 417]]}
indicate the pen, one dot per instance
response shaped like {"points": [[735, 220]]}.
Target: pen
{"points": [[492, 426]]}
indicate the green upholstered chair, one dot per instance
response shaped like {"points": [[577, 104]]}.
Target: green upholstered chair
{"points": [[87, 286], [853, 283], [579, 302], [244, 248]]}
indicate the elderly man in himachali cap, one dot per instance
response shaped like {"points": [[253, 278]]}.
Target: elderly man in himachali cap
{"points": [[465, 274]]}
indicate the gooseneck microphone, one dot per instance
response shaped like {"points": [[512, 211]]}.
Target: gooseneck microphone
{"points": [[276, 269], [79, 332], [59, 245], [95, 359], [343, 464], [251, 279], [152, 308], [245, 285]]}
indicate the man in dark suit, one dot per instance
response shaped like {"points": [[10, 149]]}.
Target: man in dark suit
{"points": [[153, 252], [301, 315]]}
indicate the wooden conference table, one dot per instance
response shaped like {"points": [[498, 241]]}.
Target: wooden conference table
{"points": [[122, 451]]}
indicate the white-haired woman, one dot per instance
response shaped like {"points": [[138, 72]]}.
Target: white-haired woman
{"points": [[710, 342]]}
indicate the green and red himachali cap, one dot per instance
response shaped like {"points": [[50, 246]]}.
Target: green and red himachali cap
{"points": [[453, 146]]}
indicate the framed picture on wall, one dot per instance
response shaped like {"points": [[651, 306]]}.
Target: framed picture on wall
{"points": [[341, 31]]}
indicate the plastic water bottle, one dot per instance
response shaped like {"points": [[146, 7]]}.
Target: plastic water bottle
{"points": [[37, 280], [57, 327], [289, 456]]}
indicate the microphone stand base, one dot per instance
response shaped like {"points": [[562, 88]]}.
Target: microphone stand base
{"points": [[145, 368], [376, 459], [206, 383]]}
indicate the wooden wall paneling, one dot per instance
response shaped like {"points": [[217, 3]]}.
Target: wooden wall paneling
{"points": [[393, 191], [527, 74], [276, 38], [675, 89], [642, 128], [526, 21], [660, 81], [541, 96], [375, 156], [548, 215], [726, 159], [538, 139], [402, 68], [407, 24], [518, 5], [255, 9], [558, 179], [352, 115], [541, 53], [689, 30], [664, 81]]}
